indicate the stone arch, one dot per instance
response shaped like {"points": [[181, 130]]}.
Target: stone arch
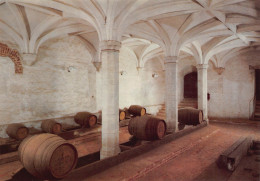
{"points": [[13, 54]]}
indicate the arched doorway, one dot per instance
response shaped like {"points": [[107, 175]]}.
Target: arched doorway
{"points": [[190, 85]]}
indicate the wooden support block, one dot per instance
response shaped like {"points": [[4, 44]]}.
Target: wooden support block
{"points": [[124, 148], [8, 157], [256, 145], [9, 147], [230, 158]]}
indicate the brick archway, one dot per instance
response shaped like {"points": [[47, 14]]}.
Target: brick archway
{"points": [[13, 54]]}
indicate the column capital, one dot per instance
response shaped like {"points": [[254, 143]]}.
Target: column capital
{"points": [[220, 70], [202, 66], [110, 45], [170, 59], [97, 65], [29, 58]]}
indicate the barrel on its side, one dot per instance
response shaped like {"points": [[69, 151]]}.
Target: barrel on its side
{"points": [[17, 131], [51, 126], [137, 110], [190, 116], [122, 115], [47, 156], [85, 119], [147, 128]]}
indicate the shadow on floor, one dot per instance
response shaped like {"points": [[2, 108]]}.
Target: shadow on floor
{"points": [[213, 173]]}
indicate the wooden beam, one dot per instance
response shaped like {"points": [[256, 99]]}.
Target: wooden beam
{"points": [[230, 158]]}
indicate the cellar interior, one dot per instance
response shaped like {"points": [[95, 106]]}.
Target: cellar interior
{"points": [[130, 90]]}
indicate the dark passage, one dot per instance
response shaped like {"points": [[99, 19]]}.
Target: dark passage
{"points": [[190, 85], [257, 84]]}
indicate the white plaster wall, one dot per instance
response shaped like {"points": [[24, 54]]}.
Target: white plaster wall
{"points": [[138, 86], [47, 89], [231, 92]]}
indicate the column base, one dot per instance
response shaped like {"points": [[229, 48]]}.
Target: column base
{"points": [[106, 153], [171, 130], [207, 121]]}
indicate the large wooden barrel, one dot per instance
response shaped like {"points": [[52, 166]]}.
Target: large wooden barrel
{"points": [[51, 126], [137, 110], [122, 115], [190, 116], [85, 119], [147, 128], [17, 131], [47, 156]]}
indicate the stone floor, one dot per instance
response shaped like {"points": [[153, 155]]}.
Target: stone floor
{"points": [[191, 157]]}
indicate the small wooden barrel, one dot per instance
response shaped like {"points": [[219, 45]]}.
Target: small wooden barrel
{"points": [[85, 119], [147, 128], [137, 110], [190, 116], [17, 131], [51, 126], [47, 156], [122, 115]]}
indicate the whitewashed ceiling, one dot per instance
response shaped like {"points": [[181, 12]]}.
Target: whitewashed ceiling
{"points": [[205, 29]]}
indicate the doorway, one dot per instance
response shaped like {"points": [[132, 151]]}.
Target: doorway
{"points": [[257, 84], [191, 85]]}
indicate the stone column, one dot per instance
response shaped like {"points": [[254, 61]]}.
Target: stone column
{"points": [[171, 93], [110, 98], [203, 89]]}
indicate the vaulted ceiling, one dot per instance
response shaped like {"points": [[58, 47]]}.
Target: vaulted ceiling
{"points": [[206, 29]]}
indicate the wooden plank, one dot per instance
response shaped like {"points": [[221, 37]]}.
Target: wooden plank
{"points": [[231, 157], [238, 153], [233, 147]]}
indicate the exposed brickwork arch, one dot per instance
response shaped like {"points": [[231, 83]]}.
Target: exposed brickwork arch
{"points": [[13, 54]]}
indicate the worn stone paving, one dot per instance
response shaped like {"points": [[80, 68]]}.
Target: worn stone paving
{"points": [[188, 158], [191, 157]]}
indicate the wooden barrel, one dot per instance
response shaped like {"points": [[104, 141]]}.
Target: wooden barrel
{"points": [[122, 115], [51, 126], [85, 119], [47, 156], [137, 110], [127, 114], [17, 131], [190, 116], [147, 128]]}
